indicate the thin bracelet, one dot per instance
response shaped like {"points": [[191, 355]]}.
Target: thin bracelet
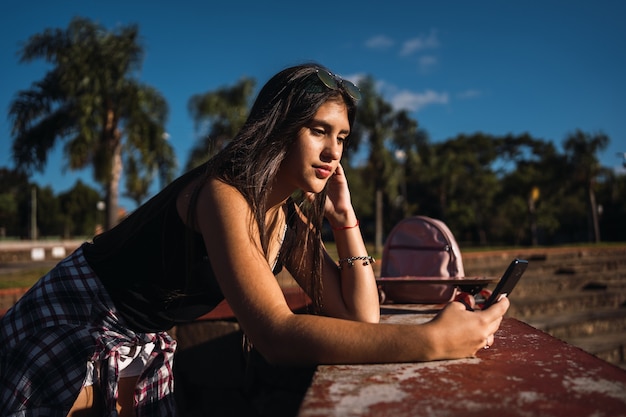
{"points": [[346, 227], [350, 261]]}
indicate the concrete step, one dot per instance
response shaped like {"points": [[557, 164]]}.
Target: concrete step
{"points": [[606, 267], [548, 260], [531, 286], [610, 347], [576, 295], [580, 324], [554, 303]]}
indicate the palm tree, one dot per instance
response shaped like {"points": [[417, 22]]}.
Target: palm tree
{"points": [[224, 111], [581, 151], [91, 101], [381, 128]]}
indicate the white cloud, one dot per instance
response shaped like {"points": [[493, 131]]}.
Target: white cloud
{"points": [[422, 42], [408, 100], [469, 94], [427, 62], [379, 42], [353, 78]]}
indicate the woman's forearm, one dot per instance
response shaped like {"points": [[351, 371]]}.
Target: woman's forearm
{"points": [[355, 275]]}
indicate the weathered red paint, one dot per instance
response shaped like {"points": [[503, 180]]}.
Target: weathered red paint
{"points": [[525, 373]]}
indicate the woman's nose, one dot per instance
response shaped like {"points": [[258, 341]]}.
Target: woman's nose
{"points": [[333, 150]]}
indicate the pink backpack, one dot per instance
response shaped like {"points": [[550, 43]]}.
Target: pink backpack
{"points": [[419, 248]]}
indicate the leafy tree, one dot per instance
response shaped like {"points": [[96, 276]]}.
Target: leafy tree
{"points": [[91, 100], [612, 193], [511, 190], [12, 187], [533, 165], [406, 140], [219, 114], [137, 186], [361, 192], [414, 173], [49, 216], [142, 167], [8, 212], [466, 184], [79, 206], [376, 126], [581, 150]]}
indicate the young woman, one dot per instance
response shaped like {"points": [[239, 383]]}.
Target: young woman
{"points": [[92, 332]]}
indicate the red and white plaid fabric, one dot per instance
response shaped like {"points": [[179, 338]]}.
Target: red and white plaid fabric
{"points": [[65, 320]]}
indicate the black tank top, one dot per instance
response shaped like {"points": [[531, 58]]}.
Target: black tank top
{"points": [[154, 267]]}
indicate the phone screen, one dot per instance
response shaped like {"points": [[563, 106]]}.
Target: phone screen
{"points": [[508, 281]]}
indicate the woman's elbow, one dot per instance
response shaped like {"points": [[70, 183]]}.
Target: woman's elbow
{"points": [[365, 314], [371, 317], [277, 353]]}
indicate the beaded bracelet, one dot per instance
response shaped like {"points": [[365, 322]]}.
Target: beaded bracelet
{"points": [[350, 261]]}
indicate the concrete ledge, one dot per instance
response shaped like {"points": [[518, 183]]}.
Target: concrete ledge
{"points": [[526, 372]]}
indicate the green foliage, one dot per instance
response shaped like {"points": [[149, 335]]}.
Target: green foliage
{"points": [[91, 99], [67, 215], [79, 209], [218, 116], [8, 211], [362, 191], [490, 190], [14, 194], [49, 216]]}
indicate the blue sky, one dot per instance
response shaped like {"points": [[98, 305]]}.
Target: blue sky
{"points": [[542, 67]]}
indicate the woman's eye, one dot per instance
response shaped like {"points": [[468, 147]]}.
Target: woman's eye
{"points": [[317, 132]]}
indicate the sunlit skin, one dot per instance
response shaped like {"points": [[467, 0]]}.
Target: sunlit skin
{"points": [[257, 300], [90, 404], [315, 155], [348, 330]]}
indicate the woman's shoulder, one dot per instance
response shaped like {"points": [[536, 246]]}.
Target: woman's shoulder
{"points": [[210, 196], [221, 197], [209, 190]]}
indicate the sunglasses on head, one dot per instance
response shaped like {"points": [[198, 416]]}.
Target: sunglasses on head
{"points": [[333, 81]]}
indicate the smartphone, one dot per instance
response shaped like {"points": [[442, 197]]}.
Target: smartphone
{"points": [[508, 281]]}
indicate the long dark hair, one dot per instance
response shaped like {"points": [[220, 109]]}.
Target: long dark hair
{"points": [[286, 103]]}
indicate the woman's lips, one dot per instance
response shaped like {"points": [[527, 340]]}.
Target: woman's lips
{"points": [[323, 171]]}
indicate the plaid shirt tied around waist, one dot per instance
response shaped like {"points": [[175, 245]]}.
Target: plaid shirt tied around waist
{"points": [[65, 320]]}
